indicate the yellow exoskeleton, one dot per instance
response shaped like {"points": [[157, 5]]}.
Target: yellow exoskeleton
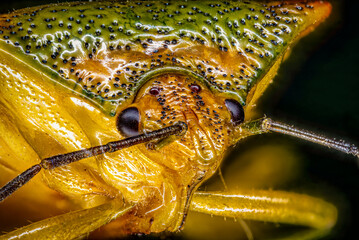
{"points": [[182, 77]]}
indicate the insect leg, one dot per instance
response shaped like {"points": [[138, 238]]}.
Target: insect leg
{"points": [[269, 206], [71, 225]]}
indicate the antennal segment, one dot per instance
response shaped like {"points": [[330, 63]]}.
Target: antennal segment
{"points": [[19, 181], [64, 159], [340, 145]]}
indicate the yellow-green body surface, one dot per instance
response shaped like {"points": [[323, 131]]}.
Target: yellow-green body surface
{"points": [[68, 70]]}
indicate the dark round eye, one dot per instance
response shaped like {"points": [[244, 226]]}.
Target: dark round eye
{"points": [[128, 122], [154, 91], [195, 88], [236, 110]]}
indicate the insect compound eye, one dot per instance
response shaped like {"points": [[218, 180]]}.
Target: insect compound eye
{"points": [[195, 88], [236, 110], [128, 122], [154, 91]]}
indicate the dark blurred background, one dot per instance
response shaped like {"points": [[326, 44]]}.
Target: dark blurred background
{"points": [[316, 88], [321, 91]]}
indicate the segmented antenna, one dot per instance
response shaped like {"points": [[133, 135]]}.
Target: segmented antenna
{"points": [[64, 159], [340, 145]]}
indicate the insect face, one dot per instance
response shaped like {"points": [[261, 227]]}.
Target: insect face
{"points": [[170, 98], [189, 159]]}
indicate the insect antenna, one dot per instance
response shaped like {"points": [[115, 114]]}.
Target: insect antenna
{"points": [[64, 159], [340, 145], [19, 181]]}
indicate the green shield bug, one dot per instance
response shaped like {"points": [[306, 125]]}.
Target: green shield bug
{"points": [[182, 77]]}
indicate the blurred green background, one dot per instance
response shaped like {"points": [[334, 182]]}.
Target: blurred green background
{"points": [[316, 88]]}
